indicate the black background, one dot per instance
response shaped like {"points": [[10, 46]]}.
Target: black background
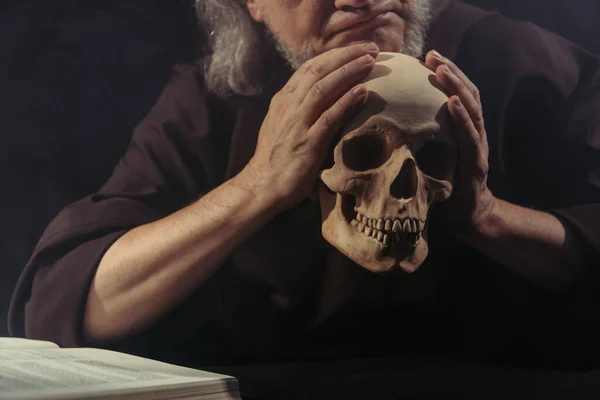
{"points": [[76, 76]]}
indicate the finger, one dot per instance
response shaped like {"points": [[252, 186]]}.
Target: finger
{"points": [[472, 146], [456, 86], [328, 90], [322, 65], [433, 60], [331, 121]]}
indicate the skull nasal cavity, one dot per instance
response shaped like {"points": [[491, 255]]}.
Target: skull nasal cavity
{"points": [[405, 184]]}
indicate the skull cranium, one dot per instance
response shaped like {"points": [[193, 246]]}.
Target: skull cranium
{"points": [[395, 158]]}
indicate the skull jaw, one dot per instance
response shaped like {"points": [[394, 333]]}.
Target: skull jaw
{"points": [[367, 252]]}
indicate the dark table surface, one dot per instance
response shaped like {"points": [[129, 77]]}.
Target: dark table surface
{"points": [[393, 378]]}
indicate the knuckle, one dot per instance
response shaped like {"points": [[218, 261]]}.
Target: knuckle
{"points": [[342, 104], [275, 101], [327, 120], [468, 124], [305, 68], [476, 93], [307, 64], [478, 117], [482, 172], [284, 91], [346, 71], [315, 68], [476, 140], [453, 67], [465, 120], [462, 86], [277, 96], [317, 91]]}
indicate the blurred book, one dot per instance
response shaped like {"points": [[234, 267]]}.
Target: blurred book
{"points": [[34, 369]]}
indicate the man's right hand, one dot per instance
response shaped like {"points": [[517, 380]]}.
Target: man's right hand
{"points": [[303, 118]]}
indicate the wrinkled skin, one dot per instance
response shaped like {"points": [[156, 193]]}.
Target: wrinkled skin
{"points": [[395, 158]]}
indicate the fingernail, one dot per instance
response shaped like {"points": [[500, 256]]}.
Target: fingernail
{"points": [[457, 102], [367, 59], [371, 46], [359, 90], [437, 55], [447, 69]]}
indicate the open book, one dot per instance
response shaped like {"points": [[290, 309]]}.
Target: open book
{"points": [[33, 369]]}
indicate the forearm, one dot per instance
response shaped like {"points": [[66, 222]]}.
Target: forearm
{"points": [[533, 243], [152, 268]]}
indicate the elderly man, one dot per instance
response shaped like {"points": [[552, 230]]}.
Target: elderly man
{"points": [[205, 247]]}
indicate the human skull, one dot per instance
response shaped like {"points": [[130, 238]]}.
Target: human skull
{"points": [[395, 158]]}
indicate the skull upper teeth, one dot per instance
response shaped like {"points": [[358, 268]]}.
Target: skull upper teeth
{"points": [[406, 227], [388, 225], [388, 231]]}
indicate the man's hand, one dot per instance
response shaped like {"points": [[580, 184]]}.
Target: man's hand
{"points": [[471, 204], [303, 118]]}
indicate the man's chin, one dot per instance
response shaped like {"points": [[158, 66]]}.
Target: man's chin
{"points": [[389, 38], [386, 39]]}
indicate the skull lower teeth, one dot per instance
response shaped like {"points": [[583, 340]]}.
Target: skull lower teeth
{"points": [[388, 231]]}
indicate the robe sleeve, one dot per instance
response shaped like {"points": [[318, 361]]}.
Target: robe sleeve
{"points": [[541, 100], [164, 168], [552, 141], [581, 154]]}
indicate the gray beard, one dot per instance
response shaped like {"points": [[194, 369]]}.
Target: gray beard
{"points": [[413, 44]]}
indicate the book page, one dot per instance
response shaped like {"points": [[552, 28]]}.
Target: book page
{"points": [[20, 343], [90, 373]]}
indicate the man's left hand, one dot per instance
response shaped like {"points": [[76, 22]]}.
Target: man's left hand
{"points": [[468, 209]]}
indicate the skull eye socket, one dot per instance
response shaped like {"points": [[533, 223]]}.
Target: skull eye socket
{"points": [[436, 159], [365, 152]]}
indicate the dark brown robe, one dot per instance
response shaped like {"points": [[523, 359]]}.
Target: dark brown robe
{"points": [[287, 294]]}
